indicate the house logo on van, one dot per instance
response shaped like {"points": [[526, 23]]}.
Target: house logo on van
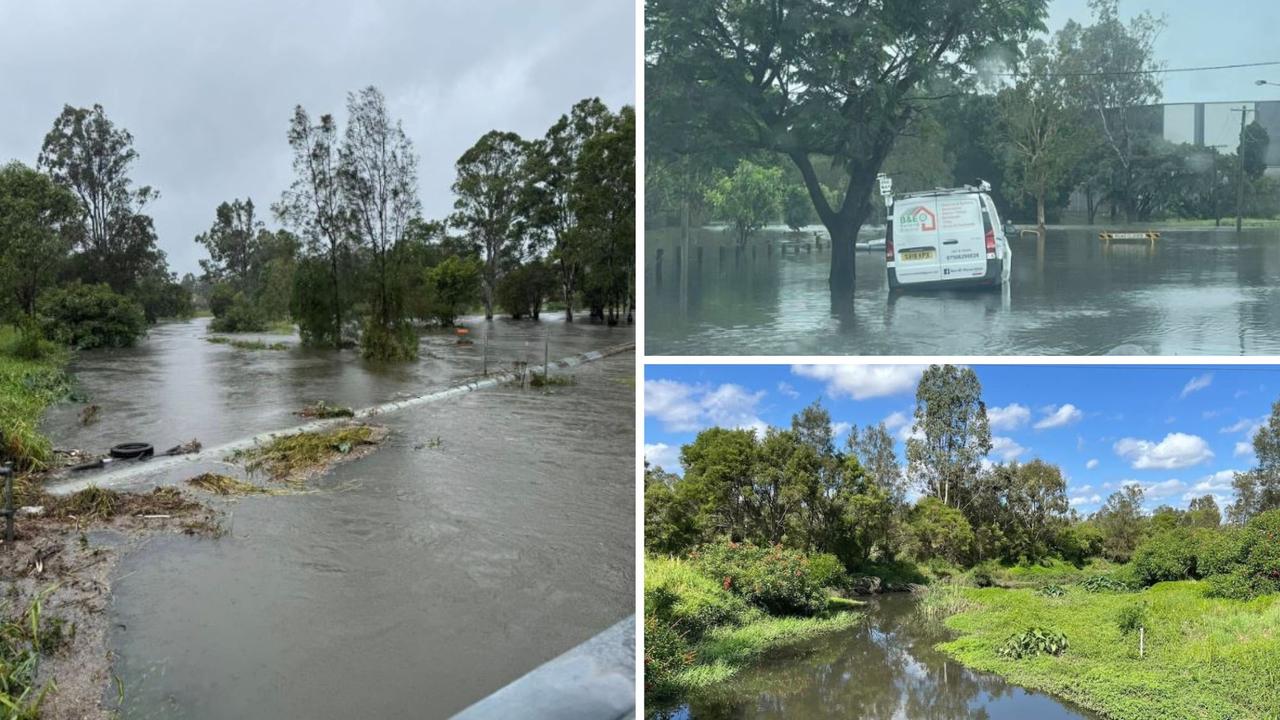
{"points": [[918, 218]]}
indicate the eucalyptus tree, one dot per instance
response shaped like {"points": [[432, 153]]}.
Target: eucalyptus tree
{"points": [[378, 179], [817, 78], [88, 154], [488, 190], [232, 243], [552, 173], [604, 201], [313, 207], [950, 435], [1258, 489]]}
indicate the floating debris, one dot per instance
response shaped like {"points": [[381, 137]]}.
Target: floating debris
{"points": [[227, 485], [321, 409], [89, 414], [186, 448], [293, 458]]}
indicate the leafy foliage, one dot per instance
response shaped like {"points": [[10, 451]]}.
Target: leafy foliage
{"points": [[90, 316], [778, 580], [748, 199], [1033, 641]]}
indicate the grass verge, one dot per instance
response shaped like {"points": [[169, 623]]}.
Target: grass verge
{"points": [[1204, 657], [245, 344], [28, 385]]}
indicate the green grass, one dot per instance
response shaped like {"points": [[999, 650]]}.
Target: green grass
{"points": [[720, 632], [27, 388], [287, 456], [245, 344], [1050, 572], [1205, 657]]}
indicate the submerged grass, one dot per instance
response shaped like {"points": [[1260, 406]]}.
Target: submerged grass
{"points": [[321, 409], [245, 344], [538, 380], [288, 457], [28, 385], [24, 639], [95, 503], [227, 485], [1204, 657]]}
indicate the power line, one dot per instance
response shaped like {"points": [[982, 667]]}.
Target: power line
{"points": [[1158, 71]]}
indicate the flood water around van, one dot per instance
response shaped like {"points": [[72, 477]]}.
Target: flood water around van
{"points": [[884, 669], [490, 533], [1195, 292]]}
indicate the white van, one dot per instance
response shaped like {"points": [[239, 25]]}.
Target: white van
{"points": [[944, 238]]}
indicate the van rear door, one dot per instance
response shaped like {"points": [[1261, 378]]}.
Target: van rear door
{"points": [[962, 247], [915, 240]]}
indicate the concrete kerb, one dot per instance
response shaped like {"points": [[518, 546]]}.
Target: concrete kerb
{"points": [[593, 681], [137, 470]]}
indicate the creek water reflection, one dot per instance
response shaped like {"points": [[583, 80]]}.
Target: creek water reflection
{"points": [[885, 669], [1194, 292]]}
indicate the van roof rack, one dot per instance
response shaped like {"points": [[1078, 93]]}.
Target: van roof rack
{"points": [[982, 186]]}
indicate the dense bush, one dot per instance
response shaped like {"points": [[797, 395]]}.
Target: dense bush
{"points": [[1218, 551], [454, 286], [938, 531], [240, 315], [90, 316], [1104, 583], [1131, 617], [680, 594], [665, 654], [521, 291], [777, 579], [1167, 555], [380, 343]]}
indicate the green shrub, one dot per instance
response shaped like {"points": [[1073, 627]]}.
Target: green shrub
{"points": [[27, 342], [90, 316], [777, 579], [1233, 586], [827, 570], [982, 575], [680, 595], [1131, 617], [666, 653], [239, 316], [1051, 590], [1104, 583], [1167, 555], [1033, 641], [520, 292], [388, 344], [1219, 551]]}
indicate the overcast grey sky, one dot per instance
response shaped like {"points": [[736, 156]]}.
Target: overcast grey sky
{"points": [[207, 88], [1221, 32]]}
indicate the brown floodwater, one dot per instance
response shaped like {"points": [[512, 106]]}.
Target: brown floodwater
{"points": [[884, 669], [1195, 292], [491, 532]]}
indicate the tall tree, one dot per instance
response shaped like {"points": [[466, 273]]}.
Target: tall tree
{"points": [[748, 198], [604, 200], [313, 207], [1258, 490], [232, 243], [554, 167], [951, 435], [35, 216], [488, 190], [1110, 71], [807, 78], [874, 448], [1040, 134], [1121, 522], [87, 153], [378, 176]]}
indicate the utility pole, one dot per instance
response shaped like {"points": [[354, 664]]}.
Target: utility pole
{"points": [[1243, 110]]}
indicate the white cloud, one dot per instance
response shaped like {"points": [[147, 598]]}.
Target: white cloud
{"points": [[1056, 416], [1176, 450], [1093, 463], [1009, 417], [1078, 500], [1218, 482], [1197, 383], [686, 408], [663, 455], [897, 420], [839, 429], [672, 403], [1243, 449], [861, 382], [1163, 489], [1244, 425], [1006, 448], [786, 389]]}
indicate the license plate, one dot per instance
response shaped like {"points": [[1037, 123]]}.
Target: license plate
{"points": [[910, 255]]}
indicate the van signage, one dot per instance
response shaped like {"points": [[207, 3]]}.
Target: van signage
{"points": [[918, 218]]}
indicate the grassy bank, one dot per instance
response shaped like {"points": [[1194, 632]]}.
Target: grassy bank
{"points": [[698, 632], [31, 379], [1204, 657]]}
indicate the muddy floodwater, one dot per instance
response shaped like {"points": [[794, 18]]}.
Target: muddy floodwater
{"points": [[885, 669], [1201, 292], [490, 533]]}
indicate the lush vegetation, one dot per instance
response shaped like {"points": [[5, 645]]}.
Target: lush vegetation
{"points": [[1200, 656], [711, 615], [31, 379], [803, 136]]}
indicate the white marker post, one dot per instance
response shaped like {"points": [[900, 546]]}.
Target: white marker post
{"points": [[886, 188]]}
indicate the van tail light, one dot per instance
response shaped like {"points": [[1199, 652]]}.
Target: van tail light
{"points": [[888, 241], [991, 240]]}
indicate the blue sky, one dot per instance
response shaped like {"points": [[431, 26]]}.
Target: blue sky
{"points": [[1225, 32], [1180, 431]]}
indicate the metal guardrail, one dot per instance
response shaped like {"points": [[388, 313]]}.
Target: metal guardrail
{"points": [[593, 681], [1148, 236]]}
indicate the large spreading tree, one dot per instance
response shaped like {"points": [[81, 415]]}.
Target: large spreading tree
{"points": [[809, 79]]}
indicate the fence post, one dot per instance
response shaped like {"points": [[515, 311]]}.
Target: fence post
{"points": [[1142, 641], [546, 360]]}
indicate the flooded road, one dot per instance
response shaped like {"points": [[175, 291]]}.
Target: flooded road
{"points": [[490, 533], [174, 385], [885, 669], [1195, 293]]}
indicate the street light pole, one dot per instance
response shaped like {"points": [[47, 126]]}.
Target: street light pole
{"points": [[1243, 110]]}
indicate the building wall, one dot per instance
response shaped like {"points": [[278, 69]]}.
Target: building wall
{"points": [[1218, 124]]}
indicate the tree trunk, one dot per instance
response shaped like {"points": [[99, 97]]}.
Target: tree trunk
{"points": [[1040, 211], [337, 304]]}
